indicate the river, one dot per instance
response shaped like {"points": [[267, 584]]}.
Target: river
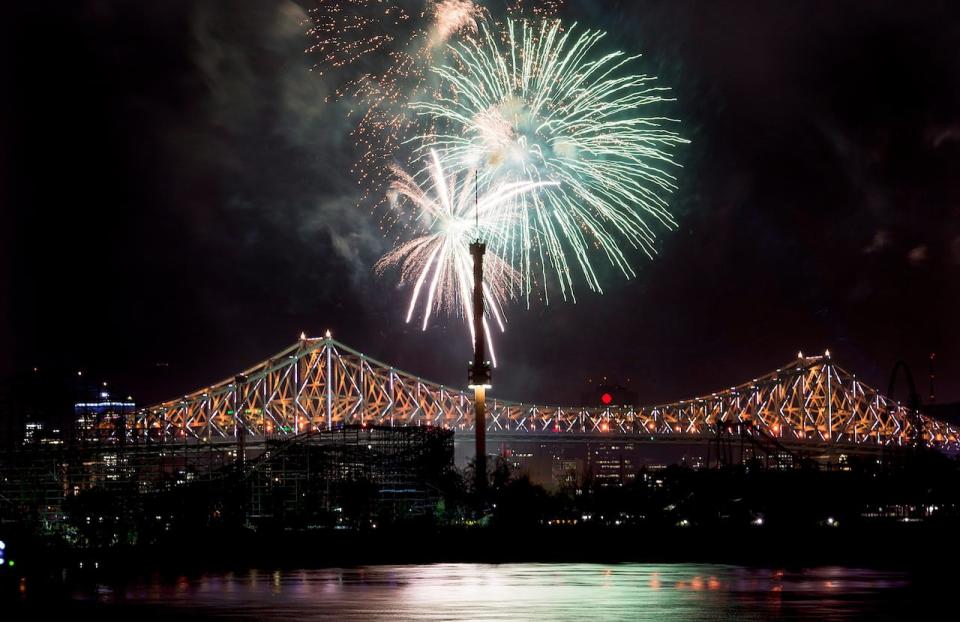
{"points": [[542, 592]]}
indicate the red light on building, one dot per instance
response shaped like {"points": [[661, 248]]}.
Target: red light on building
{"points": [[606, 398]]}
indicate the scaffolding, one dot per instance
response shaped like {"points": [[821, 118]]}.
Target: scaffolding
{"points": [[315, 479], [353, 476], [40, 482]]}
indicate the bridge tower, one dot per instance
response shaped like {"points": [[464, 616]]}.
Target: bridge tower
{"points": [[479, 376]]}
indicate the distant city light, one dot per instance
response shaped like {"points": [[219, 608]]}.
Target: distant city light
{"points": [[103, 404]]}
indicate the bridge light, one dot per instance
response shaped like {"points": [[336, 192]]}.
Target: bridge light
{"points": [[826, 353], [327, 334], [800, 354]]}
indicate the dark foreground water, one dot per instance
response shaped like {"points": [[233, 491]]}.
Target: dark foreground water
{"points": [[518, 592]]}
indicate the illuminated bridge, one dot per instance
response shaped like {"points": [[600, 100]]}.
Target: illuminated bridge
{"points": [[319, 384]]}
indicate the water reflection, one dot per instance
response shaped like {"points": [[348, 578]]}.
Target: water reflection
{"points": [[522, 592]]}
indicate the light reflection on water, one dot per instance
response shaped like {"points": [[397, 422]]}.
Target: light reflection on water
{"points": [[524, 592]]}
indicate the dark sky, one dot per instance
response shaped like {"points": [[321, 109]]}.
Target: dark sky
{"points": [[176, 191]]}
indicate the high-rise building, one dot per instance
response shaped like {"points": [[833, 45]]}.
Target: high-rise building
{"points": [[612, 464], [102, 419], [32, 431]]}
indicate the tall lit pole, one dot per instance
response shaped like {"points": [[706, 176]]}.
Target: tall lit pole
{"points": [[478, 372], [479, 369]]}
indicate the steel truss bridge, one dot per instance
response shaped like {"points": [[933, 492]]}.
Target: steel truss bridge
{"points": [[320, 384]]}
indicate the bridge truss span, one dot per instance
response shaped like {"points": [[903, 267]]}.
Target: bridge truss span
{"points": [[319, 384]]}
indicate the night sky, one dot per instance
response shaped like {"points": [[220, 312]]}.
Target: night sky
{"points": [[178, 204]]}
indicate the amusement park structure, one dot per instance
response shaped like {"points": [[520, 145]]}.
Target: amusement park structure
{"points": [[320, 384], [479, 375]]}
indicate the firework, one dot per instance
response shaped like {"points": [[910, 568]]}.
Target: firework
{"points": [[532, 102], [450, 17], [346, 31], [375, 55], [450, 214]]}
